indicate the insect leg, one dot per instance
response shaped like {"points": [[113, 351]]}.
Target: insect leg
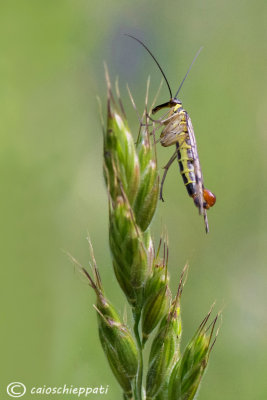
{"points": [[154, 143], [161, 120], [155, 129], [166, 168], [140, 119]]}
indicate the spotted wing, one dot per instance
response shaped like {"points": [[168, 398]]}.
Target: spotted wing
{"points": [[198, 173], [171, 131]]}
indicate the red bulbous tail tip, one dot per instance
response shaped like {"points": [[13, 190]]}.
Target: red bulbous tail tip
{"points": [[209, 198]]}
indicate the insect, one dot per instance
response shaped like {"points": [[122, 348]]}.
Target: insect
{"points": [[178, 130]]}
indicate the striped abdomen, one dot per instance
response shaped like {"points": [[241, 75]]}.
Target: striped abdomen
{"points": [[185, 161]]}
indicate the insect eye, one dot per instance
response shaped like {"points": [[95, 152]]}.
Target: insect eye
{"points": [[209, 197]]}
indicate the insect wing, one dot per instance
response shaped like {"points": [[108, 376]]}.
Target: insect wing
{"points": [[198, 172], [171, 131]]}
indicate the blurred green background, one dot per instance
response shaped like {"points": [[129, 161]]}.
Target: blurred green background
{"points": [[52, 189]]}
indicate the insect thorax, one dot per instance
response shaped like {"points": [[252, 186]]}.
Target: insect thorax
{"points": [[176, 127], [177, 107]]}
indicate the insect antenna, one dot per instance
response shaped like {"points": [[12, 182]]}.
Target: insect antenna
{"points": [[154, 58], [196, 56]]}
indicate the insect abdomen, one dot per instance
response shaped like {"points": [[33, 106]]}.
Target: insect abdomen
{"points": [[185, 158]]}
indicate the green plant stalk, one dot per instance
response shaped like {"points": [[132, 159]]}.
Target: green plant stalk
{"points": [[139, 378]]}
